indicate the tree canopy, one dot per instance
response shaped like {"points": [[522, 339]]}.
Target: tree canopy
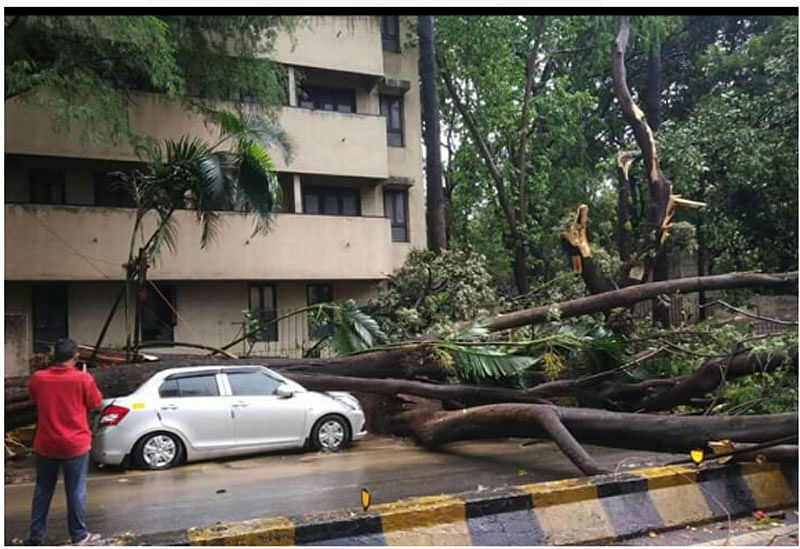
{"points": [[725, 118], [85, 68]]}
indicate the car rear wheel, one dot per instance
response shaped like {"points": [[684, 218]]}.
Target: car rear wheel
{"points": [[330, 434], [157, 451]]}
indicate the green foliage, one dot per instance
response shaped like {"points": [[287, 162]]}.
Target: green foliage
{"points": [[729, 135], [486, 58], [485, 364], [686, 349], [737, 150], [432, 291], [84, 68], [353, 331]]}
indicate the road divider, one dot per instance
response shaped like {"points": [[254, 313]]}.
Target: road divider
{"points": [[585, 510]]}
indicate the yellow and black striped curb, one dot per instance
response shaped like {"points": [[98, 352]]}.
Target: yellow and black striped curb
{"points": [[563, 512]]}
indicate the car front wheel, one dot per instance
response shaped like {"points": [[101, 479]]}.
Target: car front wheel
{"points": [[157, 451], [330, 434]]}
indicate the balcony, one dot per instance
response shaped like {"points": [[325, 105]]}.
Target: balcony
{"points": [[334, 143], [95, 245], [328, 143], [339, 43]]}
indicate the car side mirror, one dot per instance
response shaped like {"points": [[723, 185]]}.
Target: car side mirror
{"points": [[284, 391]]}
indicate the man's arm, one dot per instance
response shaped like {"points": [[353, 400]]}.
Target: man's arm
{"points": [[92, 395]]}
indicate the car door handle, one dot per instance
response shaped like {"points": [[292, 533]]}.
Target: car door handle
{"points": [[169, 407], [240, 405]]}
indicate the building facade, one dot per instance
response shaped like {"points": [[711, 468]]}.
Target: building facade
{"points": [[353, 208]]}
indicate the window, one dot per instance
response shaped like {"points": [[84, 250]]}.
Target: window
{"points": [[252, 384], [320, 293], [392, 109], [157, 318], [331, 201], [190, 386], [47, 187], [262, 306], [110, 191], [395, 207], [327, 99], [390, 33], [49, 316]]}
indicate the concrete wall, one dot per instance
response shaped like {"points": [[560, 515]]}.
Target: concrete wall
{"points": [[297, 246], [344, 43], [323, 142]]}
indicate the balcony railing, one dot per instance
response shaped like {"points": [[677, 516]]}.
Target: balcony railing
{"points": [[340, 43], [91, 243], [326, 143]]}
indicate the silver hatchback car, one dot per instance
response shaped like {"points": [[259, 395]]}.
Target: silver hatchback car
{"points": [[201, 412]]}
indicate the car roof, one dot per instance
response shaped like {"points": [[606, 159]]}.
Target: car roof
{"points": [[206, 368]]}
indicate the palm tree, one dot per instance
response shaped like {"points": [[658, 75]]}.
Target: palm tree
{"points": [[235, 173]]}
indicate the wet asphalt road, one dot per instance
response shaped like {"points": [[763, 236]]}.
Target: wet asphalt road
{"points": [[288, 484]]}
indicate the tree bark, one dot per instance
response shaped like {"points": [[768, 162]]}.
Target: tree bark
{"points": [[658, 433], [625, 297], [575, 242], [653, 96], [658, 213], [437, 234], [712, 374]]}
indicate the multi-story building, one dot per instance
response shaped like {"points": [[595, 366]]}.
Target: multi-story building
{"points": [[353, 207]]}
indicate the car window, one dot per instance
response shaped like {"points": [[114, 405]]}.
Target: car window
{"points": [[252, 383], [194, 386], [169, 389]]}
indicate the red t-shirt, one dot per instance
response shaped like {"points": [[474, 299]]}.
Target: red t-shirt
{"points": [[63, 396]]}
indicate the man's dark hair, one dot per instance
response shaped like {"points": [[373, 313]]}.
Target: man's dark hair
{"points": [[64, 350]]}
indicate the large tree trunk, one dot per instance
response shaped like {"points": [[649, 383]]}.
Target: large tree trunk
{"points": [[625, 297], [658, 211], [520, 265], [409, 361], [570, 426], [121, 380], [437, 235]]}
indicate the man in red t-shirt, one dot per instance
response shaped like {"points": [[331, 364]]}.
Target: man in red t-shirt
{"points": [[63, 397]]}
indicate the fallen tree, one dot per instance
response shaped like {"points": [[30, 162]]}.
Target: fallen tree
{"points": [[625, 297], [568, 427], [413, 398]]}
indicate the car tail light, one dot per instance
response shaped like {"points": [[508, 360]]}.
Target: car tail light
{"points": [[112, 415]]}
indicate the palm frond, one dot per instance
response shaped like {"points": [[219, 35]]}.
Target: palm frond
{"points": [[267, 132], [363, 325], [476, 330], [167, 234], [477, 364], [354, 331], [210, 225], [229, 123], [258, 189]]}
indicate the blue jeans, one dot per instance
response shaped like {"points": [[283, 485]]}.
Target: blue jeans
{"points": [[75, 471]]}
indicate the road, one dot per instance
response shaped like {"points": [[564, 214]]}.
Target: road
{"points": [[297, 483]]}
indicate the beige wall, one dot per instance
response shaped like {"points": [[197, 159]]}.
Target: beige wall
{"points": [[334, 143], [208, 312], [323, 142], [79, 243], [343, 43], [407, 161]]}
